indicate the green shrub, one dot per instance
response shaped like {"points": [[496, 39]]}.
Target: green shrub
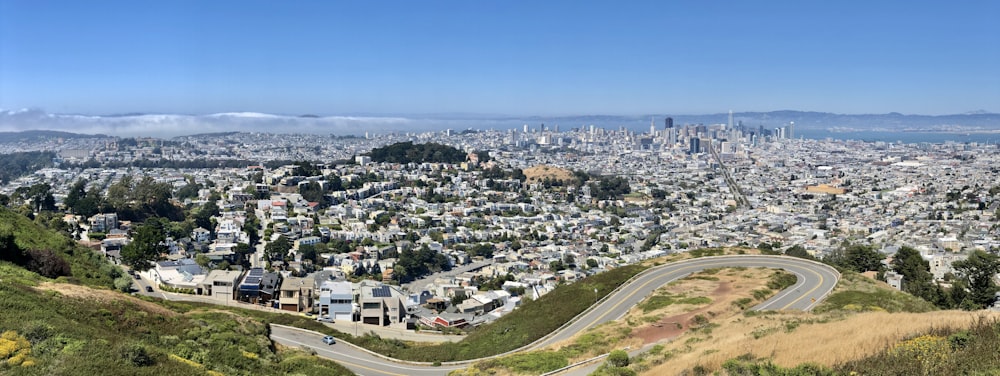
{"points": [[618, 358]]}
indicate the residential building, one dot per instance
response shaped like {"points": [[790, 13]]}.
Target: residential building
{"points": [[296, 294], [381, 305], [336, 300]]}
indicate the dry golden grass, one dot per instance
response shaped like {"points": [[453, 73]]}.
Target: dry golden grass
{"points": [[87, 293], [723, 287], [847, 338], [538, 173]]}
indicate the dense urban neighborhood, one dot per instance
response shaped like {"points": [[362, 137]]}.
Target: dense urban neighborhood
{"points": [[402, 235], [450, 229]]}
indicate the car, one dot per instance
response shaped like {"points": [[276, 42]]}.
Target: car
{"points": [[324, 318], [149, 288], [329, 340]]}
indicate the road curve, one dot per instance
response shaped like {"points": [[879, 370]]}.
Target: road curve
{"points": [[814, 282]]}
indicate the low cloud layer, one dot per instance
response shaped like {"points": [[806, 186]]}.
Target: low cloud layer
{"points": [[176, 125]]}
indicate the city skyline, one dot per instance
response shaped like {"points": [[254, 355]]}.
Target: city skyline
{"points": [[549, 59]]}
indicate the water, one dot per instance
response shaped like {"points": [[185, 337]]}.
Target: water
{"points": [[905, 137]]}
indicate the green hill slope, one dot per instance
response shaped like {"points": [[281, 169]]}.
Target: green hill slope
{"points": [[50, 327]]}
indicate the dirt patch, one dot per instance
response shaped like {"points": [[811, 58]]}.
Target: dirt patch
{"points": [[81, 292], [539, 173], [673, 326]]}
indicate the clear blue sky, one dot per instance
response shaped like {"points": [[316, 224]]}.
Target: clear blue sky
{"points": [[500, 57]]}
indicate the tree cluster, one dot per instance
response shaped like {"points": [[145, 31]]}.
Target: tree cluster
{"points": [[408, 152], [15, 165], [609, 188], [413, 264], [42, 261]]}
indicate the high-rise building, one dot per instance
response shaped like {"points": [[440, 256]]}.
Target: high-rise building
{"points": [[790, 131], [694, 145], [668, 123], [730, 119]]}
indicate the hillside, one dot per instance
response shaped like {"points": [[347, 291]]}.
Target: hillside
{"points": [[52, 327], [700, 325], [27, 244], [537, 174]]}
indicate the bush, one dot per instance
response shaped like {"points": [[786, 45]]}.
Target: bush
{"points": [[47, 263], [136, 355], [618, 358]]}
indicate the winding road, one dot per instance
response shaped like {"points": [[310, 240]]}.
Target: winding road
{"points": [[814, 282]]}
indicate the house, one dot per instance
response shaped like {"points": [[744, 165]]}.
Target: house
{"points": [[201, 235], [103, 222], [308, 240], [111, 248], [446, 320], [259, 287], [336, 300], [296, 294], [270, 287], [221, 284], [895, 280], [179, 274], [381, 305]]}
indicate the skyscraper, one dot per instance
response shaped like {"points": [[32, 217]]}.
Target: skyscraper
{"points": [[694, 145], [668, 123], [730, 119], [790, 131]]}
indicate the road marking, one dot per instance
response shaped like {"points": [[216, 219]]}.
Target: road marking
{"points": [[818, 285], [315, 347], [708, 265]]}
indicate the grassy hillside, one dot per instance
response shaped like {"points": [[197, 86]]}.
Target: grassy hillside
{"points": [[858, 293], [50, 327], [29, 245], [102, 332]]}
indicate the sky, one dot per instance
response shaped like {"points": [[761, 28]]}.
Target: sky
{"points": [[547, 58]]}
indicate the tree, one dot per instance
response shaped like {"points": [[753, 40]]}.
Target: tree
{"points": [[243, 251], [204, 216], [798, 251], [916, 272], [146, 246], [856, 257], [308, 252], [277, 249], [77, 192], [202, 260], [123, 283], [976, 273], [312, 192]]}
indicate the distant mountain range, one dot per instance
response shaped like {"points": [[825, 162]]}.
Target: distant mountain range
{"points": [[35, 135], [170, 125]]}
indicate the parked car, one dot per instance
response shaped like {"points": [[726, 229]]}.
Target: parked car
{"points": [[329, 340], [324, 318], [149, 288]]}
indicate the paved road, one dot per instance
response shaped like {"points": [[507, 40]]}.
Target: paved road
{"points": [[358, 360], [815, 282]]}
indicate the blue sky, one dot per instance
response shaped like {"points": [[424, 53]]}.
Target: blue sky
{"points": [[500, 57]]}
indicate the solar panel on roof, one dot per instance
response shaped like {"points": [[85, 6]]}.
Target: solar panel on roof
{"points": [[381, 292]]}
